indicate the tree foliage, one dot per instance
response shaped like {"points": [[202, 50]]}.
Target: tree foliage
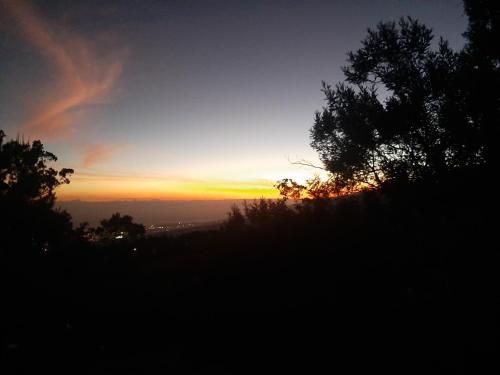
{"points": [[25, 175], [314, 189], [266, 214], [404, 113], [27, 195], [481, 57], [235, 220], [120, 227]]}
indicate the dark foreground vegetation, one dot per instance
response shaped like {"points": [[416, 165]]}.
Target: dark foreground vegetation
{"points": [[408, 284], [398, 273]]}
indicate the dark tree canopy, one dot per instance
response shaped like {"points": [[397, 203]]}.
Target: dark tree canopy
{"points": [[25, 175], [482, 73], [405, 112], [27, 195], [235, 219], [120, 227]]}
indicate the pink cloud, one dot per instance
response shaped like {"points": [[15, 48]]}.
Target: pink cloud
{"points": [[98, 153], [84, 76]]}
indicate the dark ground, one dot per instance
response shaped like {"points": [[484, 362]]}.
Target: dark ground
{"points": [[399, 289]]}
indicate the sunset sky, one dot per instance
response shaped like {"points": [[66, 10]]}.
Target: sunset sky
{"points": [[182, 99]]}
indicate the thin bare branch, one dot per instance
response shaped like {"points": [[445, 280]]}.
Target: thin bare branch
{"points": [[306, 163]]}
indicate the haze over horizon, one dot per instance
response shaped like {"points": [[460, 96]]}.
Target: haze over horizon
{"points": [[151, 212], [182, 100]]}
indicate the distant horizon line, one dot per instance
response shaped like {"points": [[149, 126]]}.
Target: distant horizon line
{"points": [[160, 200]]}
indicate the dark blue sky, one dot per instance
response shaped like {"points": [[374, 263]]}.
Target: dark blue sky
{"points": [[173, 99]]}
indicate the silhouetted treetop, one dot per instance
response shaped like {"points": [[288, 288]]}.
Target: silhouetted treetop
{"points": [[120, 227], [484, 28], [24, 173], [235, 219], [481, 78], [27, 195], [401, 114]]}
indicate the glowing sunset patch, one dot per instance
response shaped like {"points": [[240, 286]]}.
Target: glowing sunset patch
{"points": [[97, 188]]}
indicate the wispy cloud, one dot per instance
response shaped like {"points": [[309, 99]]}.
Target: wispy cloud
{"points": [[84, 75], [98, 153]]}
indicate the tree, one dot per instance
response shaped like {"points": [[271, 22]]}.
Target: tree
{"points": [[24, 174], [315, 189], [235, 219], [400, 115], [27, 195], [119, 227], [481, 57]]}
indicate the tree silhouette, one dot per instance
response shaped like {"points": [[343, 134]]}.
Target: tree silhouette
{"points": [[27, 194], [24, 174], [481, 77], [119, 227], [400, 115], [235, 219]]}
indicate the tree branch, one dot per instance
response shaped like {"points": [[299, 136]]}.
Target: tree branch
{"points": [[306, 163]]}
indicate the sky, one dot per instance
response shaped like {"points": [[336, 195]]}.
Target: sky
{"points": [[181, 100]]}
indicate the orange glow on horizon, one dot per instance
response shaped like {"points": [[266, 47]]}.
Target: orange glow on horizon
{"points": [[106, 188]]}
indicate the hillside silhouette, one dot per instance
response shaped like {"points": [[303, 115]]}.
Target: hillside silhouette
{"points": [[390, 264]]}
